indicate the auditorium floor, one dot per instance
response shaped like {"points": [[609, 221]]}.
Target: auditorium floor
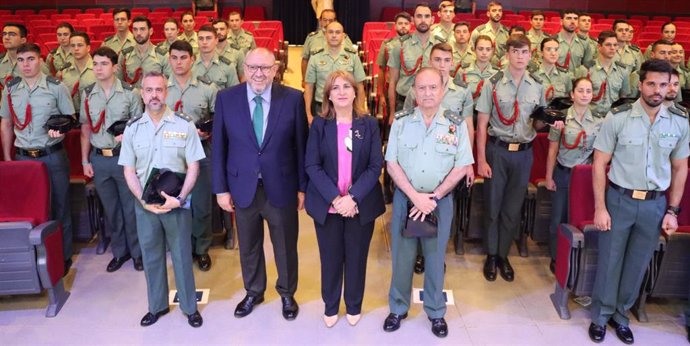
{"points": [[105, 308]]}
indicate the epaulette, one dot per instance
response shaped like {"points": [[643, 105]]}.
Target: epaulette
{"points": [[589, 64], [234, 46], [2, 55], [204, 80], [134, 119], [14, 81], [481, 27], [536, 79], [599, 114], [350, 50], [505, 28], [683, 68], [54, 51], [403, 113], [454, 117], [127, 86], [66, 66], [248, 32], [496, 77], [621, 108], [562, 69], [161, 50], [317, 51], [404, 38], [109, 38], [465, 65], [89, 88], [532, 68], [389, 40], [183, 116], [53, 80], [678, 110], [634, 47], [127, 50], [621, 64], [440, 39], [312, 33], [459, 82], [225, 60], [582, 36]]}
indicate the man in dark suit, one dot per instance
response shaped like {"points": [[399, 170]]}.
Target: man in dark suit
{"points": [[259, 139]]}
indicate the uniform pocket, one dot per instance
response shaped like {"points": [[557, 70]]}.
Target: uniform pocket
{"points": [[173, 150], [667, 145], [446, 155]]}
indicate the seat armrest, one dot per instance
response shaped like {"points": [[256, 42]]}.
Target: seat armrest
{"points": [[39, 234]]}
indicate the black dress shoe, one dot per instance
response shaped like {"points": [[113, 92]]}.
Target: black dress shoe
{"points": [[204, 262], [597, 332], [68, 265], [150, 318], [195, 319], [138, 264], [505, 269], [117, 262], [419, 265], [246, 306], [439, 327], [622, 332], [392, 322], [290, 308], [490, 267], [552, 266]]}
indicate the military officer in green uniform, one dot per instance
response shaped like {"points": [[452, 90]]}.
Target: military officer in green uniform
{"points": [[136, 61], [409, 56], [535, 33], [402, 28], [573, 49], [170, 31], [237, 36], [668, 33], [584, 25], [557, 81], [673, 96], [476, 73], [188, 34], [493, 28], [316, 40], [27, 103], [78, 73], [321, 64], [60, 56], [13, 36], [661, 49], [105, 102], [627, 53], [217, 68], [163, 139], [123, 38], [428, 153], [230, 51], [195, 98], [610, 78], [504, 151], [647, 146], [463, 55], [444, 27]]}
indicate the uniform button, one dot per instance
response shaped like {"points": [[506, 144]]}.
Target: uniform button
{"points": [[259, 153]]}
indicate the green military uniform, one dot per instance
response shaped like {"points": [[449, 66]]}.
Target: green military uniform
{"points": [[631, 57], [438, 30], [193, 41], [508, 153], [133, 65], [221, 71], [426, 155], [244, 40], [461, 59], [76, 81], [475, 77], [57, 60], [500, 37], [172, 144], [456, 98], [163, 53], [163, 48], [47, 97], [235, 55], [574, 54], [641, 160], [535, 39], [8, 69], [683, 78], [323, 63], [408, 57], [607, 87], [576, 144], [557, 83], [197, 100], [593, 44], [117, 44], [123, 103], [316, 40], [384, 52]]}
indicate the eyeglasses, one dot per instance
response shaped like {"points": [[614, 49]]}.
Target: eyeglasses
{"points": [[254, 68]]}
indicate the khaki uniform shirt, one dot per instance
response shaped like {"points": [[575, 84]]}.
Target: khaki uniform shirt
{"points": [[76, 81], [57, 60], [617, 84], [322, 64], [500, 37], [130, 61], [414, 57], [220, 70], [196, 100], [456, 98], [118, 45], [577, 134]]}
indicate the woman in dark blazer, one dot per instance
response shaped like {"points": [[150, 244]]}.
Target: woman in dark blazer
{"points": [[343, 161]]}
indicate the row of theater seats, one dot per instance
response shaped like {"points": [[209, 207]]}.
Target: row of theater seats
{"points": [[249, 13]]}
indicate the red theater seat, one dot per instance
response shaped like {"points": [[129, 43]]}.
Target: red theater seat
{"points": [[254, 13]]}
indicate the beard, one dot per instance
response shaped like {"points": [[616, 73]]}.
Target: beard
{"points": [[141, 40], [650, 102]]}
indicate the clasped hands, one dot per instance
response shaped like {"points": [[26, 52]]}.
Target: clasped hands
{"points": [[424, 204], [170, 204], [345, 206]]}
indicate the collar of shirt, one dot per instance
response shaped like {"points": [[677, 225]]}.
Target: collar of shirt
{"points": [[173, 83], [266, 95], [116, 88], [62, 52], [508, 77], [214, 60], [168, 116], [571, 114], [41, 82], [88, 66], [638, 111]]}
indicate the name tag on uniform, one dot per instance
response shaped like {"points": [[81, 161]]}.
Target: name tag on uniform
{"points": [[513, 146], [637, 194], [172, 134]]}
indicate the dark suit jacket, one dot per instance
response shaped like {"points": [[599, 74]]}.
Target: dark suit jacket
{"points": [[322, 168], [237, 159]]}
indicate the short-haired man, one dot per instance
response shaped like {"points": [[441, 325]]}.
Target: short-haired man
{"points": [[584, 25], [123, 38], [13, 36], [196, 98], [463, 55], [493, 28], [626, 53], [170, 31], [402, 27], [230, 51], [661, 49], [557, 81], [573, 50], [104, 102], [216, 68], [316, 40], [645, 161], [535, 33], [444, 27], [78, 74], [237, 36], [33, 141], [60, 56], [188, 34], [138, 60], [161, 139], [673, 93]]}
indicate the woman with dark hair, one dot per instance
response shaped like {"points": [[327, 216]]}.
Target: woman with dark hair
{"points": [[343, 161], [557, 81]]}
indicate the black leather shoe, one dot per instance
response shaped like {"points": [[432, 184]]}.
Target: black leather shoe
{"points": [[552, 266], [419, 265], [204, 262], [490, 267], [392, 322], [138, 264], [597, 333], [439, 327], [195, 319], [505, 269], [622, 332], [290, 308], [117, 262], [246, 306], [150, 318], [68, 265]]}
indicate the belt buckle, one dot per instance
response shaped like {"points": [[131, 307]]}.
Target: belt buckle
{"points": [[513, 146], [637, 194], [107, 152], [35, 153]]}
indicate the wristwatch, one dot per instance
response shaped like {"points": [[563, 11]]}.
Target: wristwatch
{"points": [[181, 200], [673, 210]]}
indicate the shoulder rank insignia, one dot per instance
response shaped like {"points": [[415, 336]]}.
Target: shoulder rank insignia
{"points": [[389, 40], [350, 50], [54, 51], [109, 38], [621, 108], [134, 119], [248, 32], [225, 60], [14, 81], [536, 79], [53, 80], [620, 64], [127, 50], [403, 113], [404, 38], [634, 47], [440, 39], [204, 79], [678, 110], [183, 116], [454, 117], [312, 33], [496, 77], [161, 50], [561, 69], [317, 51], [66, 66], [89, 88], [465, 65], [459, 82], [127, 86], [589, 64]]}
